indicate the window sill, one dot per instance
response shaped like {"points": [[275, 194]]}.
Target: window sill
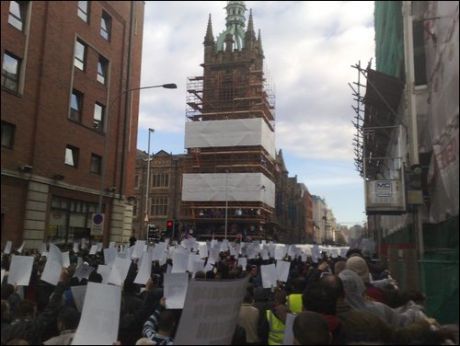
{"points": [[102, 133], [12, 92]]}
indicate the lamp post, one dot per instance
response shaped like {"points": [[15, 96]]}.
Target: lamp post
{"points": [[107, 131], [147, 187], [226, 203]]}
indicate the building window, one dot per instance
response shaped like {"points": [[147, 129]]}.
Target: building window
{"points": [[10, 72], [83, 10], [98, 119], [160, 180], [70, 220], [17, 16], [80, 52], [8, 131], [137, 180], [76, 103], [106, 25], [71, 156], [159, 206], [101, 70], [96, 164]]}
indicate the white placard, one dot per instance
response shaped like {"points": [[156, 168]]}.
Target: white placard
{"points": [[109, 255], [264, 255], [175, 290], [98, 246], [292, 251], [52, 271], [159, 252], [105, 271], [7, 249], [100, 316], [21, 247], [3, 275], [44, 250], [214, 255], [78, 294], [268, 275], [20, 270], [191, 262], [210, 312], [282, 270], [138, 249], [65, 259], [280, 252], [289, 330], [119, 271], [93, 250], [243, 261], [83, 271], [145, 269], [180, 262], [75, 247], [203, 249]]}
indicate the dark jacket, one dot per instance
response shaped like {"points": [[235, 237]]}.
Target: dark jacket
{"points": [[32, 330]]}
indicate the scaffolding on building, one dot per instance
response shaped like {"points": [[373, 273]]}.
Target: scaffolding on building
{"points": [[375, 120], [246, 99]]}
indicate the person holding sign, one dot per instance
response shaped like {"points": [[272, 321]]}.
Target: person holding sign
{"points": [[29, 327], [274, 324], [160, 326]]}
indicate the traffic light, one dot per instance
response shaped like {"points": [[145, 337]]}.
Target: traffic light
{"points": [[169, 227]]}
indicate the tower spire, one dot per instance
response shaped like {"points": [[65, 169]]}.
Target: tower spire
{"points": [[250, 29], [235, 22], [259, 42], [209, 38]]}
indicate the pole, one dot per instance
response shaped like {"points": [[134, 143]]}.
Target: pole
{"points": [[226, 203], [147, 188], [107, 134]]}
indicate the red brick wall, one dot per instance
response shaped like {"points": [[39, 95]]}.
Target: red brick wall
{"points": [[41, 113]]}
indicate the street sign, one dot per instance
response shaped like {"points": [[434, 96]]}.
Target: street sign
{"points": [[97, 224]]}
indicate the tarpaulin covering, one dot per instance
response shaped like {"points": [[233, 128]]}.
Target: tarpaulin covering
{"points": [[242, 187], [230, 133]]}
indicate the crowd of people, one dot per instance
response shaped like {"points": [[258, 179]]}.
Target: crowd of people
{"points": [[335, 301]]}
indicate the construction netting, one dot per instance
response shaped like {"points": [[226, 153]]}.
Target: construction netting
{"points": [[230, 133], [215, 187]]}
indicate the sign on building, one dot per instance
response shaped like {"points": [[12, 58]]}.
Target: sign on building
{"points": [[97, 224], [385, 196]]}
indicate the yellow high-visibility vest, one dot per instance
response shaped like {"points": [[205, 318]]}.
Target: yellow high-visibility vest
{"points": [[276, 333], [294, 302]]}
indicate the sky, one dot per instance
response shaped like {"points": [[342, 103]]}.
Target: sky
{"points": [[309, 48]]}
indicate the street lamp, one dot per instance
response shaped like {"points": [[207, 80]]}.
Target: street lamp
{"points": [[147, 188], [107, 111], [226, 203]]}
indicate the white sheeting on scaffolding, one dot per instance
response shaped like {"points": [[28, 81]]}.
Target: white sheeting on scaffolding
{"points": [[230, 133], [219, 187]]}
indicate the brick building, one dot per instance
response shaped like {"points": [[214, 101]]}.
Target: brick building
{"points": [[164, 197], [69, 132]]}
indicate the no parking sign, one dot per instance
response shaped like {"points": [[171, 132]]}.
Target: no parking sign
{"points": [[97, 224]]}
